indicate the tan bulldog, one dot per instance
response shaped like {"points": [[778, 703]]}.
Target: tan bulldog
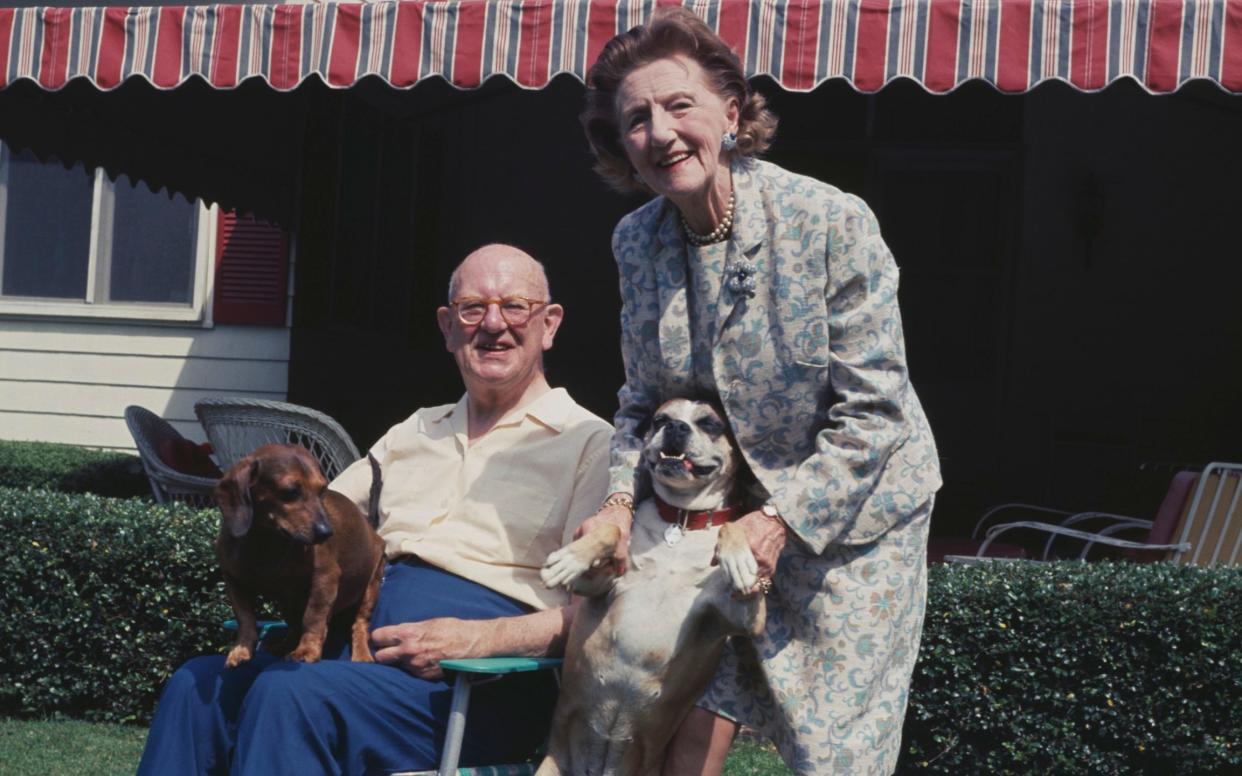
{"points": [[644, 646]]}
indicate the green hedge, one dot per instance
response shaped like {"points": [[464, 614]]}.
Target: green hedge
{"points": [[1059, 668], [71, 469], [102, 599], [1070, 668]]}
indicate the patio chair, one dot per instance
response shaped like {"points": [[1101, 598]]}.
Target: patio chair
{"points": [[469, 673], [237, 427], [1195, 524], [155, 437]]}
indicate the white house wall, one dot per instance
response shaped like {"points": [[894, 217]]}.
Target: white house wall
{"points": [[71, 382]]}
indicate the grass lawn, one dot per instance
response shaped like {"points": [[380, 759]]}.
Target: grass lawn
{"points": [[54, 748]]}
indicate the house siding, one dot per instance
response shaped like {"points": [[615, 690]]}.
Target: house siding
{"points": [[70, 382]]}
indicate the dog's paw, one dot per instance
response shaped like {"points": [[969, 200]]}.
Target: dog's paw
{"points": [[305, 653], [238, 655], [739, 567], [563, 567]]}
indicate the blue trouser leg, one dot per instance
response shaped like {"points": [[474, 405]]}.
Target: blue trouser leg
{"points": [[337, 716], [196, 722]]}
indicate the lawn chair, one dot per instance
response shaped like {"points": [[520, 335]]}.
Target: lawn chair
{"points": [[468, 674], [237, 427], [1195, 524], [153, 436]]}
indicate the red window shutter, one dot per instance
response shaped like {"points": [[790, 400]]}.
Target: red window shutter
{"points": [[251, 271]]}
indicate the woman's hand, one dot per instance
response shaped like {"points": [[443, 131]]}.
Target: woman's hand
{"points": [[620, 516], [766, 536], [418, 647]]}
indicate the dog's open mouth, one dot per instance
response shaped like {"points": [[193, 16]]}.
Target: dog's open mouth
{"points": [[670, 464]]}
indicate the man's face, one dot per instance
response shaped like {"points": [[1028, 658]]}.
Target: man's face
{"points": [[494, 355]]}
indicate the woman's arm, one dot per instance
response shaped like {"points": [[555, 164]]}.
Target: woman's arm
{"points": [[867, 420]]}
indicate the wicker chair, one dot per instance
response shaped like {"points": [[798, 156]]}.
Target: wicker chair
{"points": [[150, 431], [236, 427]]}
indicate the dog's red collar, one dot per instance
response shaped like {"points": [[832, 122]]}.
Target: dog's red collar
{"points": [[695, 519]]}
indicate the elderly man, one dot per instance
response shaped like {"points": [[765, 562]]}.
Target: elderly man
{"points": [[476, 494]]}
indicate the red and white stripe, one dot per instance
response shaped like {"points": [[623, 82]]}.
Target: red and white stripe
{"points": [[767, 37], [1174, 43], [977, 46], [1200, 54]]}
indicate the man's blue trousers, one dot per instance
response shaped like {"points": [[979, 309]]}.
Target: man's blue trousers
{"points": [[270, 716]]}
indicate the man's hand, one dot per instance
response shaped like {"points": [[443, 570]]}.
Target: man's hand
{"points": [[622, 518], [418, 647]]}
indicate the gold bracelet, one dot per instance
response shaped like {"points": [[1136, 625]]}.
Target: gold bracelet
{"points": [[619, 500]]}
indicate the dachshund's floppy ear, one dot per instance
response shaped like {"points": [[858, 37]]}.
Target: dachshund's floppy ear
{"points": [[233, 496]]}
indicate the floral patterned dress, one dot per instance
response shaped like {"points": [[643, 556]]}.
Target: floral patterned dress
{"points": [[793, 323]]}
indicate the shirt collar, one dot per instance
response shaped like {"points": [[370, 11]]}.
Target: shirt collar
{"points": [[551, 409]]}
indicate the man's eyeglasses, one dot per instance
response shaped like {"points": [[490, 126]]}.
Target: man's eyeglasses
{"points": [[516, 310]]}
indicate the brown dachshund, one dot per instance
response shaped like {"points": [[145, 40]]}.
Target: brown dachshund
{"points": [[308, 549]]}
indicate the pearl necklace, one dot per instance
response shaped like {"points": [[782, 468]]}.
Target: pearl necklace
{"points": [[721, 231]]}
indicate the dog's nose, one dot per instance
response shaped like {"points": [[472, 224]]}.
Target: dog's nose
{"points": [[321, 530], [676, 433]]}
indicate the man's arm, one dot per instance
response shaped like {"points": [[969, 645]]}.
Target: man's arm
{"points": [[418, 647]]}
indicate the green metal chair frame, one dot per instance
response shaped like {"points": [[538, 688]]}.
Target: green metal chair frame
{"points": [[468, 674]]}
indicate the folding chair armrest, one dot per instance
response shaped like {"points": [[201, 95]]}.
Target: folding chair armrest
{"points": [[501, 665], [266, 627], [1123, 521], [994, 511], [471, 671], [1115, 524], [1091, 538]]}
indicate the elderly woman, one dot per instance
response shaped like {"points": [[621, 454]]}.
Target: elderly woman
{"points": [[775, 293]]}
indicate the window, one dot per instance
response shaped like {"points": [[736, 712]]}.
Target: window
{"points": [[73, 242]]}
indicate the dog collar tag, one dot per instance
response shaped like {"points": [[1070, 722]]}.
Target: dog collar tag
{"points": [[673, 534]]}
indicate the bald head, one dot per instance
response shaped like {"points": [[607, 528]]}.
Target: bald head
{"points": [[517, 260], [501, 363]]}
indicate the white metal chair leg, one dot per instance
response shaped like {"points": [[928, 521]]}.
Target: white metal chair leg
{"points": [[456, 725], [470, 672]]}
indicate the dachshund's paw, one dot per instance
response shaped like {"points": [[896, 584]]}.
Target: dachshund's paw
{"points": [[238, 655], [305, 653], [563, 567], [736, 560]]}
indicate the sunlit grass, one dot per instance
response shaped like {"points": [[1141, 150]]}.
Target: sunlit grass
{"points": [[52, 748], [30, 748]]}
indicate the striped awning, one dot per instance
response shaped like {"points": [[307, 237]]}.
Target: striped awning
{"points": [[1012, 44]]}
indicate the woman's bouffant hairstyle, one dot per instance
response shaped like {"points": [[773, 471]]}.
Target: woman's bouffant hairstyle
{"points": [[672, 30]]}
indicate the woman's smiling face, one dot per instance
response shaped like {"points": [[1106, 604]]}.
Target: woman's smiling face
{"points": [[671, 124]]}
